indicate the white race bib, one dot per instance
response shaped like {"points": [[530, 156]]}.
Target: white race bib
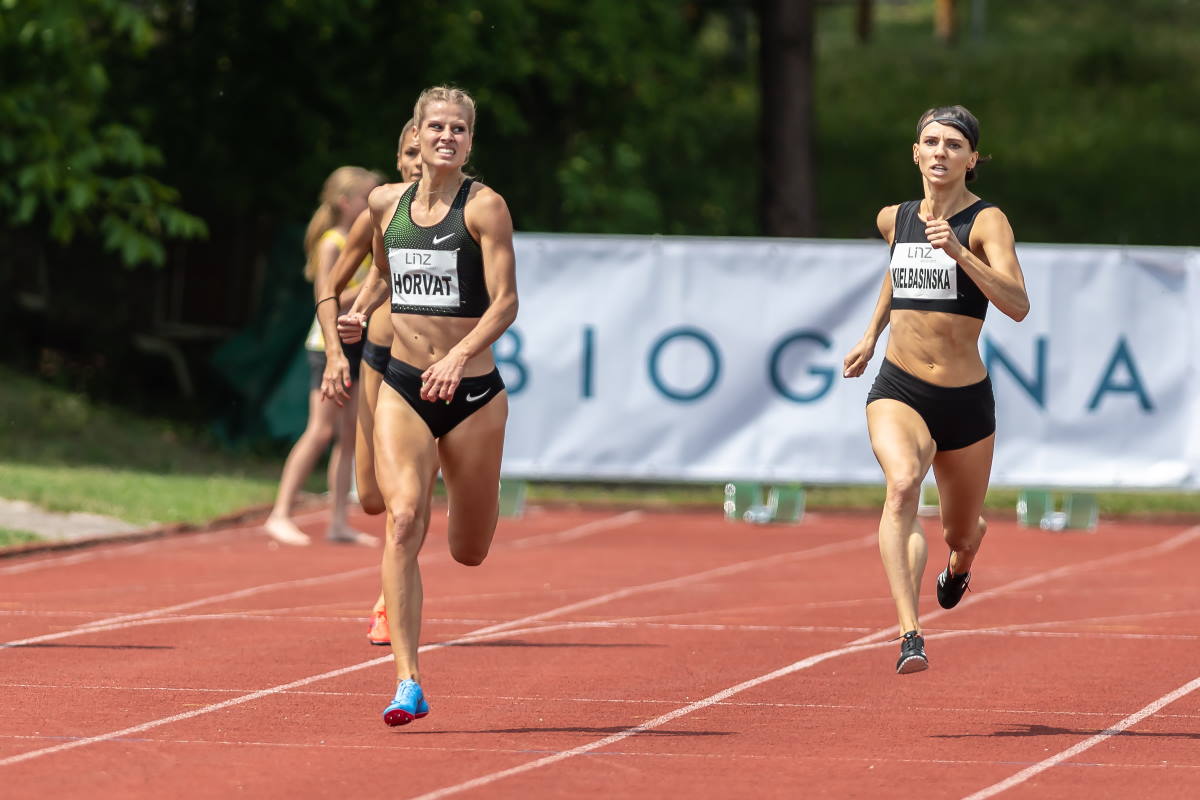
{"points": [[424, 277], [923, 272]]}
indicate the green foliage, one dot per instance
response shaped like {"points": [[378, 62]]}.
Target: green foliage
{"points": [[602, 116], [1089, 110], [594, 116], [66, 453], [49, 426], [67, 161], [137, 496]]}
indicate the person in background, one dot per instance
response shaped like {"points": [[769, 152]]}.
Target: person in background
{"points": [[343, 198], [376, 350]]}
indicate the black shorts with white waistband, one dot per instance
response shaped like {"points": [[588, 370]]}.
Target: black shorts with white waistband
{"points": [[442, 417], [376, 356], [957, 416]]}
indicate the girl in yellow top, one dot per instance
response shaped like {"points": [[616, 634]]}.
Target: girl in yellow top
{"points": [[343, 198]]}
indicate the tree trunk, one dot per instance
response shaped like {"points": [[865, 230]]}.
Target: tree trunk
{"points": [[944, 17], [863, 13], [788, 206]]}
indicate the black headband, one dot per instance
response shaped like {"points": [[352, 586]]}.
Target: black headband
{"points": [[955, 123]]}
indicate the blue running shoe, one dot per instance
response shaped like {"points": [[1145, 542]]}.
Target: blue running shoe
{"points": [[408, 704]]}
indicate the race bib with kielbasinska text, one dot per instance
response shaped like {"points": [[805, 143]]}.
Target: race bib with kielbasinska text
{"points": [[424, 277], [923, 272]]}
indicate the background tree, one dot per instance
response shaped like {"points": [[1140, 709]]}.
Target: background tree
{"points": [[945, 20], [864, 11], [788, 205], [125, 122], [72, 161]]}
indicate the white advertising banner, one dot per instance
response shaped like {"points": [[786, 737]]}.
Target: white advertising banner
{"points": [[675, 358]]}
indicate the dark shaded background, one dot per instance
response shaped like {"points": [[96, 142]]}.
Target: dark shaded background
{"points": [[204, 129]]}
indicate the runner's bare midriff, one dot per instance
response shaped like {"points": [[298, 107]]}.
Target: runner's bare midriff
{"points": [[936, 347], [424, 340]]}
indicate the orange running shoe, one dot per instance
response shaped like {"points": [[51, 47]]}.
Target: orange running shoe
{"points": [[378, 632]]}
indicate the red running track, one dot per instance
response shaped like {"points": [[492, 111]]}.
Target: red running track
{"points": [[601, 654]]}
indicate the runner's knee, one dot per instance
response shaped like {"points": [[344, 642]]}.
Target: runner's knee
{"points": [[371, 501], [469, 557], [472, 548], [903, 492], [407, 527]]}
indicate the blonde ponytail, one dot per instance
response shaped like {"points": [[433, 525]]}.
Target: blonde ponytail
{"points": [[341, 182]]}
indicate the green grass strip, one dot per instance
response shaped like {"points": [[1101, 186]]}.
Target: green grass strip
{"points": [[9, 537]]}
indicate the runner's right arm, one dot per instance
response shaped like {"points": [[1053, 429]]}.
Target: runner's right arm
{"points": [[332, 283], [860, 355]]}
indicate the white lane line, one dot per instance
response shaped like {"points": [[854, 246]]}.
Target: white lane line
{"points": [[98, 553], [717, 572], [865, 643], [1166, 546], [1145, 615], [510, 628], [246, 698], [1104, 635], [649, 724], [1086, 744], [542, 700], [476, 636], [507, 630], [159, 615], [450, 622], [391, 748], [579, 531], [112, 623]]}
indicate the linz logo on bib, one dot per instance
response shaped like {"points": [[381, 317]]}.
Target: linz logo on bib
{"points": [[922, 272], [424, 277]]}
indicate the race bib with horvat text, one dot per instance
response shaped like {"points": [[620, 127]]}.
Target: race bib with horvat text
{"points": [[923, 272], [424, 277]]}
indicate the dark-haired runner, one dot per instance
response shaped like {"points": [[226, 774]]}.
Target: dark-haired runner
{"points": [[932, 404]]}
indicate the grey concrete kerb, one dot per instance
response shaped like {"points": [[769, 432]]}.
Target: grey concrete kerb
{"points": [[19, 515]]}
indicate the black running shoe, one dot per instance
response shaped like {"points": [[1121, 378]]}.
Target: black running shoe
{"points": [[912, 654], [951, 588]]}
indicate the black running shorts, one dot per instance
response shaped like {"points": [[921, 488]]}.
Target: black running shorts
{"points": [[956, 416]]}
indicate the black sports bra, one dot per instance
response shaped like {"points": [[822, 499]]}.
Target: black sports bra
{"points": [[924, 278], [435, 271]]}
